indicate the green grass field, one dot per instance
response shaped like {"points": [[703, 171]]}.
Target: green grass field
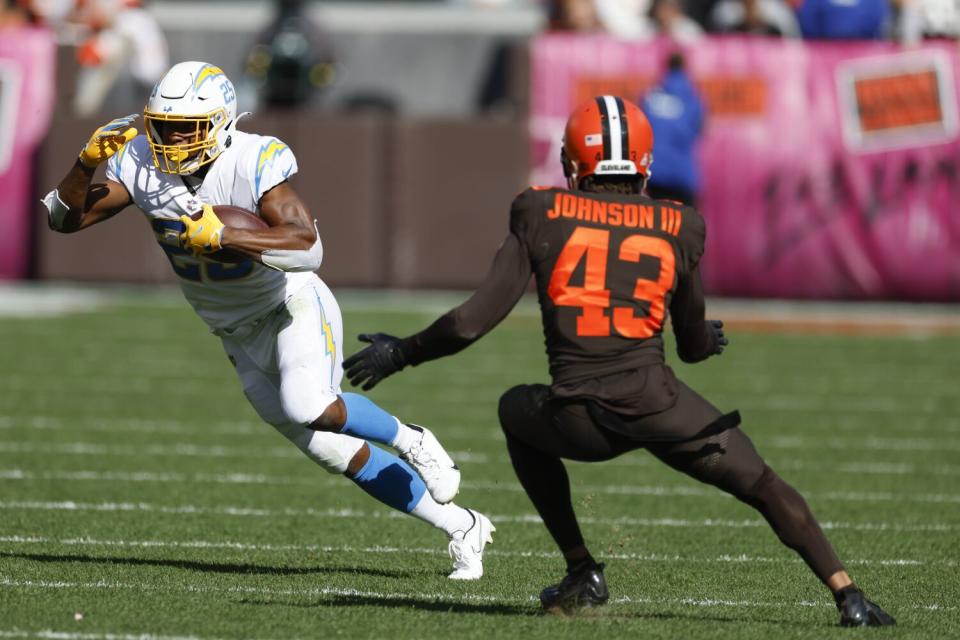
{"points": [[139, 491]]}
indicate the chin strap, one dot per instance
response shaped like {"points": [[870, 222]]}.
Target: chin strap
{"points": [[223, 138], [295, 259]]}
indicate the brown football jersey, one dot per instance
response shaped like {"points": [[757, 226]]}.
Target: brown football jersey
{"points": [[606, 267]]}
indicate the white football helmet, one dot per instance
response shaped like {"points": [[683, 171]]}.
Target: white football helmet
{"points": [[197, 95]]}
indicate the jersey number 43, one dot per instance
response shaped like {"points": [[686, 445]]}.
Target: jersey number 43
{"points": [[593, 297]]}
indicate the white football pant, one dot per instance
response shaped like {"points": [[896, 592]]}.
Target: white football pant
{"points": [[291, 366]]}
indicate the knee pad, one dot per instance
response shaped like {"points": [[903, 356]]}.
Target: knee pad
{"points": [[763, 485], [511, 406], [303, 397], [262, 394], [506, 401], [296, 434], [332, 451]]}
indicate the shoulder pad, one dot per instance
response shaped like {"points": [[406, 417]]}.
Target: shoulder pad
{"points": [[535, 188]]}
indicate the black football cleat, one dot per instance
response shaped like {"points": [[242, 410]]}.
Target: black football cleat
{"points": [[584, 588], [857, 611]]}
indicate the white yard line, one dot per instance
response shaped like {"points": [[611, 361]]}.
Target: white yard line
{"points": [[247, 478], [137, 426], [164, 477], [15, 505], [417, 596], [900, 445], [131, 425], [870, 468], [758, 394], [140, 426], [870, 443], [188, 450], [909, 405], [31, 301], [379, 549], [49, 634]]}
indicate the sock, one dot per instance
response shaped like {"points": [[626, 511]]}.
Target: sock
{"points": [[391, 481], [449, 518], [368, 421], [407, 436]]}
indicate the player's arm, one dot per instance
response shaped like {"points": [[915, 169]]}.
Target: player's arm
{"points": [[460, 327], [292, 243], [77, 202], [697, 337]]}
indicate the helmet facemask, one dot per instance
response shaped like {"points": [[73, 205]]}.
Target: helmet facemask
{"points": [[202, 147]]}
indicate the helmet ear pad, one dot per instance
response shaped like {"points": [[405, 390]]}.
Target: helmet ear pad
{"points": [[569, 168]]}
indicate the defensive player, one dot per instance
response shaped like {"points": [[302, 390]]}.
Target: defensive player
{"points": [[608, 263], [279, 323]]}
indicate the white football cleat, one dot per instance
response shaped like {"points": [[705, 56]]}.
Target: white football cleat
{"points": [[435, 466], [467, 549]]}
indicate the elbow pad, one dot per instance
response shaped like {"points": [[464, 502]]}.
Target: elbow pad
{"points": [[295, 259], [57, 210]]}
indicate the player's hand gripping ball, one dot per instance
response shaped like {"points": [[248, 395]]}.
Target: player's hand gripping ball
{"points": [[227, 216], [107, 140], [201, 232]]}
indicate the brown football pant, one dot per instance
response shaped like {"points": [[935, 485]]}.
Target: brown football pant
{"points": [[541, 431]]}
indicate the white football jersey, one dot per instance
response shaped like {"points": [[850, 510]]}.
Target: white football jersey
{"points": [[226, 296]]}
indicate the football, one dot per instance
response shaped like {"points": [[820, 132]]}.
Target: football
{"points": [[238, 219]]}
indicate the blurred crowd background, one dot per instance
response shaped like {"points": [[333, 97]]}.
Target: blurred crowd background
{"points": [[325, 54], [432, 114]]}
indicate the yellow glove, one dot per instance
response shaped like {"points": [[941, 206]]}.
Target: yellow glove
{"points": [[107, 140], [202, 235]]}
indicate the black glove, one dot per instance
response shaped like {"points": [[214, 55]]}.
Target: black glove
{"points": [[719, 340], [372, 364]]}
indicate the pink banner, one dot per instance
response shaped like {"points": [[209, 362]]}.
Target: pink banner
{"points": [[830, 170], [27, 58]]}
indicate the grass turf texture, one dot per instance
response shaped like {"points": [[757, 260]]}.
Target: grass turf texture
{"points": [[138, 489]]}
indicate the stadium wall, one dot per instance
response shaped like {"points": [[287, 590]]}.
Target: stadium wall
{"points": [[415, 199], [401, 201]]}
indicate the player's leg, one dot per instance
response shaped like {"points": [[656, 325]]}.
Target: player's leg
{"points": [[262, 389], [359, 416], [728, 460], [307, 339], [385, 477], [392, 481], [317, 334], [539, 433]]}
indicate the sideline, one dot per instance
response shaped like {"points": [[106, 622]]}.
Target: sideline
{"points": [[761, 316]]}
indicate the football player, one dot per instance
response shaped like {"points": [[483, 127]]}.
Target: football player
{"points": [[279, 323], [608, 264]]}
